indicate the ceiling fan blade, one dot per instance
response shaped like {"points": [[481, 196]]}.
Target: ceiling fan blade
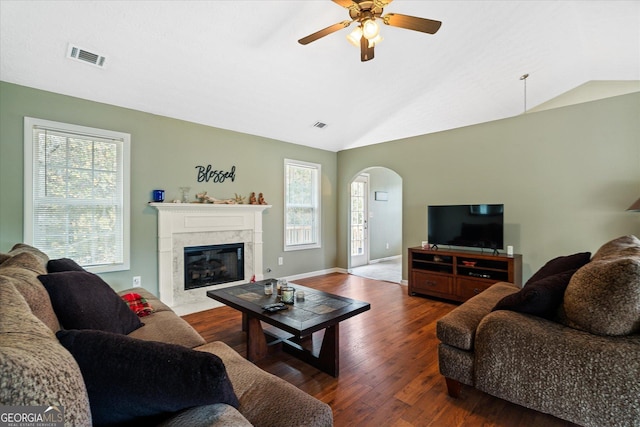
{"points": [[381, 3], [344, 3], [412, 23], [366, 51], [324, 32]]}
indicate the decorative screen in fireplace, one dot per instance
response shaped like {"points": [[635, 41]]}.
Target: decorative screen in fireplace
{"points": [[213, 265]]}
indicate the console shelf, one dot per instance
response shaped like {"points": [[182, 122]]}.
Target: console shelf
{"points": [[459, 275]]}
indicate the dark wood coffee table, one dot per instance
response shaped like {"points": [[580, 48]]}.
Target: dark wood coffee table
{"points": [[319, 311]]}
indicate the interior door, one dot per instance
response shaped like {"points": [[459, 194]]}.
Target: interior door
{"points": [[359, 221]]}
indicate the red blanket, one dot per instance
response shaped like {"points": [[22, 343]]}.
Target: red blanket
{"points": [[138, 304]]}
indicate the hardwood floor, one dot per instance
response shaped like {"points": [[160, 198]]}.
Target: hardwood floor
{"points": [[388, 363]]}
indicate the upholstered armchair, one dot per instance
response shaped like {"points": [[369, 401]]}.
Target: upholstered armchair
{"points": [[567, 343]]}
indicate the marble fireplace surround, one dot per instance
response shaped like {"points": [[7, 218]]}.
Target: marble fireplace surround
{"points": [[182, 225]]}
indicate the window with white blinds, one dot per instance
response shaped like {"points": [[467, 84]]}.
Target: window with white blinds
{"points": [[77, 193], [302, 205]]}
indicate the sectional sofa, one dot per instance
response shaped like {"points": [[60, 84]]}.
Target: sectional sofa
{"points": [[122, 369]]}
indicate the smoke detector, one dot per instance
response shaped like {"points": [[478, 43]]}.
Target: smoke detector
{"points": [[83, 55]]}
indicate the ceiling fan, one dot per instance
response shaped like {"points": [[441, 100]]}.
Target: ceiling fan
{"points": [[367, 34]]}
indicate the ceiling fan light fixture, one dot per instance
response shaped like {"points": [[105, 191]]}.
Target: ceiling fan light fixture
{"points": [[355, 36], [370, 29], [375, 41], [365, 13]]}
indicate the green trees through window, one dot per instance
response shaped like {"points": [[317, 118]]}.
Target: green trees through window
{"points": [[78, 195]]}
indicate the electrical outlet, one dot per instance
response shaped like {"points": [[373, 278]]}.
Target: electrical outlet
{"points": [[387, 246], [137, 281], [280, 260]]}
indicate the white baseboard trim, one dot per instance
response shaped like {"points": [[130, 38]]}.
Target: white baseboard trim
{"points": [[195, 307], [316, 273]]}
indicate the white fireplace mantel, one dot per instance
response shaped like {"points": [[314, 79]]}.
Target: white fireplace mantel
{"points": [[197, 224]]}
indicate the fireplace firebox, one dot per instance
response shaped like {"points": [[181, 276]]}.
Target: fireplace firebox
{"points": [[213, 265]]}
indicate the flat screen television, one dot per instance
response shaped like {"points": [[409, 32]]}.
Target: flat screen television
{"points": [[476, 226]]}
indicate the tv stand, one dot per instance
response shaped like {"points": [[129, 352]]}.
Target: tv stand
{"points": [[457, 274]]}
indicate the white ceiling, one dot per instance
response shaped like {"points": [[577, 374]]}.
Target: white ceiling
{"points": [[237, 64]]}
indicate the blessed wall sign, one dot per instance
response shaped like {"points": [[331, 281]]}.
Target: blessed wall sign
{"points": [[207, 173]]}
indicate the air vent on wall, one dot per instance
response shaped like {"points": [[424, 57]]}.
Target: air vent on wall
{"points": [[320, 125], [83, 55]]}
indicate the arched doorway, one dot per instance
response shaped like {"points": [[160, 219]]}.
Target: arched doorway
{"points": [[375, 224]]}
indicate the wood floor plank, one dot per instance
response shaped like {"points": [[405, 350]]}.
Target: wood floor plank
{"points": [[388, 363]]}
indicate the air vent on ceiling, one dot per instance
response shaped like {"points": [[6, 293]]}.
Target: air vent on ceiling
{"points": [[80, 54], [320, 125]]}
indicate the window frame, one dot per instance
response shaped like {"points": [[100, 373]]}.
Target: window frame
{"points": [[317, 204], [124, 164]]}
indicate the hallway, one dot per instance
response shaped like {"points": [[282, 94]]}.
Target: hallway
{"points": [[388, 270]]}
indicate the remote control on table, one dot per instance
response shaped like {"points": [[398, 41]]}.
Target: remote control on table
{"points": [[274, 307], [277, 304]]}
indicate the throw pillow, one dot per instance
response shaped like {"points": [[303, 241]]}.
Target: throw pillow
{"points": [[63, 264], [82, 300], [603, 297], [541, 298], [131, 380], [560, 264]]}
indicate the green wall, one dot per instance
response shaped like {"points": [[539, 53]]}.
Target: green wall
{"points": [[566, 177], [164, 154], [385, 217]]}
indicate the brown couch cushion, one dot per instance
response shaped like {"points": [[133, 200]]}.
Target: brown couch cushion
{"points": [[620, 247], [603, 297], [216, 415], [267, 400], [458, 327], [19, 248], [164, 324], [36, 369], [24, 266]]}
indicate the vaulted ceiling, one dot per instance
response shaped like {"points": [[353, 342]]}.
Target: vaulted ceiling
{"points": [[237, 64]]}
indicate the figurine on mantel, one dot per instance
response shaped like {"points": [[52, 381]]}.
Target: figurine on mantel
{"points": [[259, 201], [205, 198], [239, 199]]}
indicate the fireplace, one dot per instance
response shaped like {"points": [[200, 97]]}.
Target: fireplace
{"points": [[213, 265], [187, 225]]}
